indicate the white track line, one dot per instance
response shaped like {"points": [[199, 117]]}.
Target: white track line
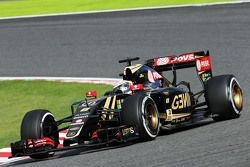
{"points": [[110, 81], [6, 161], [5, 149], [124, 10]]}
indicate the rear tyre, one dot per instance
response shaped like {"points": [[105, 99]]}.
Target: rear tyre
{"points": [[140, 110], [224, 97], [37, 124]]}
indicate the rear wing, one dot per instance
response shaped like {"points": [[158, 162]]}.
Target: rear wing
{"points": [[200, 60]]}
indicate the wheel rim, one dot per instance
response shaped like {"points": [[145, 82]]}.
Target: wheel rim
{"points": [[237, 96], [49, 129], [47, 126], [151, 117]]}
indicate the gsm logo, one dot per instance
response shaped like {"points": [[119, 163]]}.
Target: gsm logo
{"points": [[181, 101]]}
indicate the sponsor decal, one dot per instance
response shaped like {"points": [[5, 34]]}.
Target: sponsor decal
{"points": [[171, 59], [198, 65], [183, 58], [78, 121], [203, 64], [91, 94], [75, 128], [181, 101], [205, 76], [166, 93], [153, 76], [70, 134], [162, 61], [81, 116], [118, 104], [90, 103], [84, 109], [127, 131], [169, 115], [181, 119], [136, 87], [167, 100]]}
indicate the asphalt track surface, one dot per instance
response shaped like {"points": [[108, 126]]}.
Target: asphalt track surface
{"points": [[91, 45]]}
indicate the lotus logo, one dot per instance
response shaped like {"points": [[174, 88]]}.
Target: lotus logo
{"points": [[198, 65], [162, 61]]}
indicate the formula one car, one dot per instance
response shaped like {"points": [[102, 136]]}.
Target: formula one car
{"points": [[137, 109]]}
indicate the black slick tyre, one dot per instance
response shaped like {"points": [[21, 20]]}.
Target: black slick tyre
{"points": [[224, 97], [38, 124], [140, 110]]}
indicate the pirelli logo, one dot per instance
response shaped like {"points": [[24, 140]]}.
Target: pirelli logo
{"points": [[181, 101]]}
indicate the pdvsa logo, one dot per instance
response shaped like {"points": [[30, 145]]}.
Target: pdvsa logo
{"points": [[183, 58]]}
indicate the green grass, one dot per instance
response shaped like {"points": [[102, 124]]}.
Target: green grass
{"points": [[31, 7], [18, 97]]}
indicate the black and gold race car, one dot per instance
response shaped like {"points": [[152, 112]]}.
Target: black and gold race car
{"points": [[137, 109]]}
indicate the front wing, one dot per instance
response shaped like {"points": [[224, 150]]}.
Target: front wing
{"points": [[40, 146]]}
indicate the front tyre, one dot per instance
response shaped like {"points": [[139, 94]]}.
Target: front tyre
{"points": [[224, 97], [37, 124], [140, 110]]}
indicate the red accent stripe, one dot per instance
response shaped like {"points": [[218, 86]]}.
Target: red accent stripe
{"points": [[61, 138], [5, 154], [60, 146], [64, 131]]}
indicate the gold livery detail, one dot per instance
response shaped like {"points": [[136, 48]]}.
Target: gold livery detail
{"points": [[84, 109], [111, 105], [181, 101], [170, 117], [127, 131]]}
